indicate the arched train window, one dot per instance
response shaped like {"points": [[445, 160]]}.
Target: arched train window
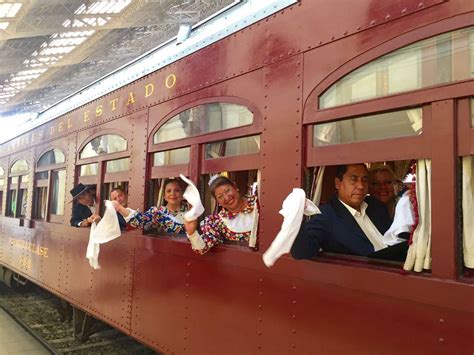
{"points": [[438, 60], [107, 153], [203, 119], [214, 137]]}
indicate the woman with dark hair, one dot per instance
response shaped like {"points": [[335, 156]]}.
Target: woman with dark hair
{"points": [[236, 221], [168, 218]]}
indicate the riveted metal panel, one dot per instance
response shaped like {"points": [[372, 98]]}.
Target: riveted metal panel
{"points": [[159, 303]]}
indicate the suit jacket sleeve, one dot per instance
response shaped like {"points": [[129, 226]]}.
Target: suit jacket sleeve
{"points": [[79, 213], [311, 237]]}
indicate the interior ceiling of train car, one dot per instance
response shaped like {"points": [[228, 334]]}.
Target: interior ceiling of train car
{"points": [[50, 49]]}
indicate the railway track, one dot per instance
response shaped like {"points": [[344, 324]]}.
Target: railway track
{"points": [[40, 313]]}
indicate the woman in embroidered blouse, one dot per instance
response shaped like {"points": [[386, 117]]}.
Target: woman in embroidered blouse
{"points": [[236, 221], [168, 218]]}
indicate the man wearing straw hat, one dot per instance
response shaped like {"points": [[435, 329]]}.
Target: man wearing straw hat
{"points": [[83, 212]]}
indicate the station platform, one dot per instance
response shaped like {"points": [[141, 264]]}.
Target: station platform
{"points": [[14, 339]]}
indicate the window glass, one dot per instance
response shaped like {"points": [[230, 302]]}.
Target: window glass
{"points": [[2, 180], [89, 169], [203, 119], [20, 166], [40, 208], [434, 61], [373, 127], [171, 157], [114, 166], [11, 209], [51, 157], [58, 193], [25, 179], [42, 175], [14, 180], [232, 147], [22, 199], [106, 144]]}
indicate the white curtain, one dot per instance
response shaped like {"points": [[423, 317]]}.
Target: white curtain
{"points": [[317, 186], [419, 252], [415, 116], [255, 190], [467, 207]]}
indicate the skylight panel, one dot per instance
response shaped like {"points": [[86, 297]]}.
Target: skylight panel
{"points": [[4, 25], [103, 7], [9, 9], [57, 50]]}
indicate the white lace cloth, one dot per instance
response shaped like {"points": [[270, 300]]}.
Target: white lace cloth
{"points": [[106, 230], [191, 194], [294, 206]]}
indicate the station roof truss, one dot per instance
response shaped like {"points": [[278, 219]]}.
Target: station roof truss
{"points": [[44, 42]]}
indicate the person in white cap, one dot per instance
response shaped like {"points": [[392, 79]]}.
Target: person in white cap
{"points": [[236, 221]]}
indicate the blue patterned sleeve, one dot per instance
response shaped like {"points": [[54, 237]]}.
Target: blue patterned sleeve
{"points": [[146, 219]]}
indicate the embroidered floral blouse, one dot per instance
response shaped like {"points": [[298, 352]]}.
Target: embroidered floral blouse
{"points": [[162, 218], [224, 225]]}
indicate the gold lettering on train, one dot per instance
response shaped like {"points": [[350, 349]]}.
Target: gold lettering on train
{"points": [[170, 81], [113, 104], [86, 116], [149, 88], [69, 125], [131, 98], [98, 111], [25, 262], [51, 130], [60, 126], [23, 244]]}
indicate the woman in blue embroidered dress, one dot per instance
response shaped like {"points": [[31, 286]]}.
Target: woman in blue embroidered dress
{"points": [[236, 221], [168, 218]]}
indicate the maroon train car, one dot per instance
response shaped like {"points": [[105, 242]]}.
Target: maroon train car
{"points": [[278, 88]]}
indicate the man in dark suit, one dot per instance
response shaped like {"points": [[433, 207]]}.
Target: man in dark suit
{"points": [[83, 211], [351, 223]]}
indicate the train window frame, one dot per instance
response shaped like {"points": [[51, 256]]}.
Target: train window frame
{"points": [[198, 164], [442, 105], [408, 147], [48, 185], [103, 177], [17, 189]]}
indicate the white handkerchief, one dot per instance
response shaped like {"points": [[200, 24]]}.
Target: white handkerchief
{"points": [[403, 220], [106, 230], [191, 194], [293, 208]]}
